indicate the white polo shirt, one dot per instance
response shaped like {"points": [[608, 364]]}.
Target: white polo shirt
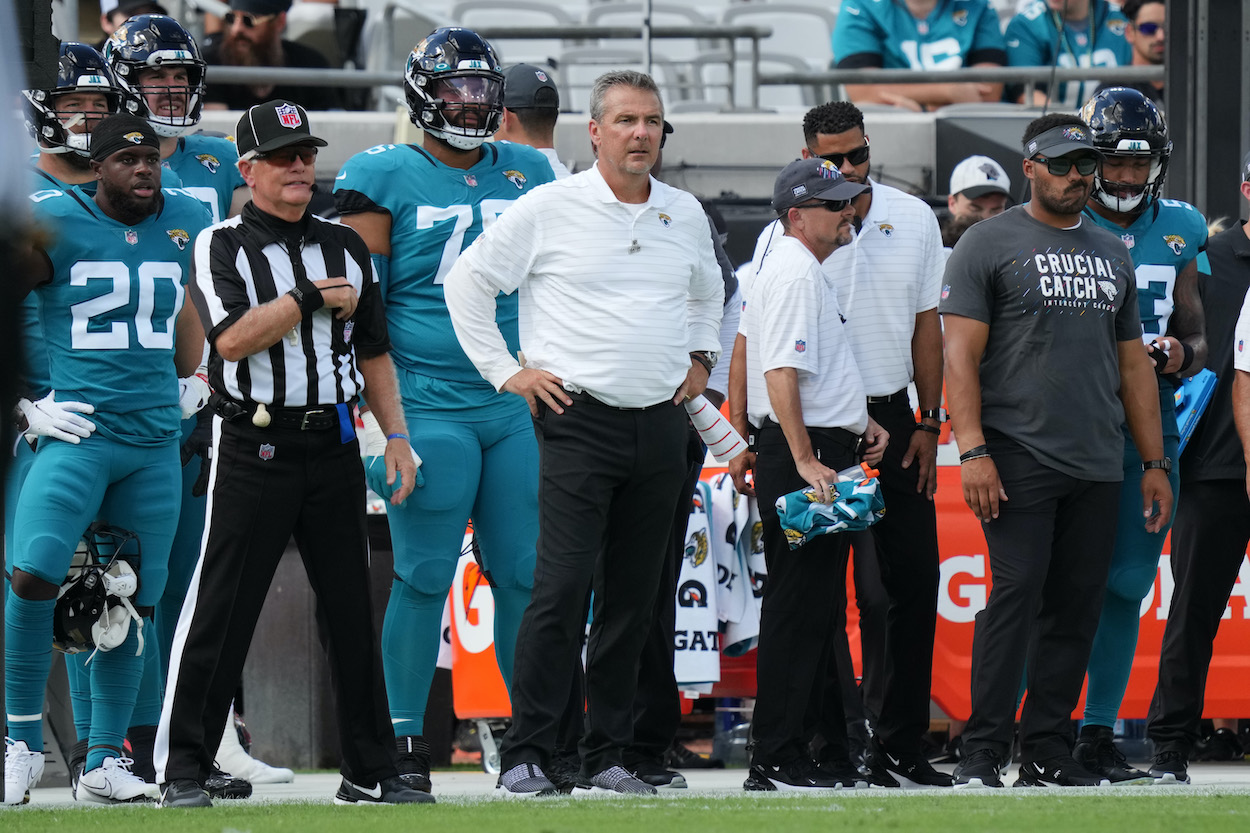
{"points": [[1241, 338], [889, 274], [613, 296], [798, 324], [758, 406]]}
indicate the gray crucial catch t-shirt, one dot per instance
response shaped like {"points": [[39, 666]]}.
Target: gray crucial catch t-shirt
{"points": [[1057, 301]]}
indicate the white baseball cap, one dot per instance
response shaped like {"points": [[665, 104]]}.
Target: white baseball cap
{"points": [[977, 176]]}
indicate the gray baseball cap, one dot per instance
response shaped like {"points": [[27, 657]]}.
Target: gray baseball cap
{"points": [[1060, 141], [805, 180]]}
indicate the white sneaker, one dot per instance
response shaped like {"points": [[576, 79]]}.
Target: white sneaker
{"points": [[113, 782], [22, 770], [232, 758]]}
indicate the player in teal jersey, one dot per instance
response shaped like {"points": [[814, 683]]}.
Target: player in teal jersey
{"points": [[930, 35], [418, 208], [111, 311], [1167, 240], [1067, 33]]}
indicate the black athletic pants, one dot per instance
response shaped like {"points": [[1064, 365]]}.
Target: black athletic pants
{"points": [[608, 482], [1209, 539], [798, 610], [268, 484], [1049, 550]]}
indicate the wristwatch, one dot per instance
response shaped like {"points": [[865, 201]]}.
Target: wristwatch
{"points": [[1165, 464], [935, 413], [705, 358]]}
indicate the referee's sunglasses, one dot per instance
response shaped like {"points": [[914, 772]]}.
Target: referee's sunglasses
{"points": [[1060, 165], [856, 157], [285, 157]]}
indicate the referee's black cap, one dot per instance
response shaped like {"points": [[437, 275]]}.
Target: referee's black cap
{"points": [[276, 124]]}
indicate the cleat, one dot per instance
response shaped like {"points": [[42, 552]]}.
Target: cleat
{"points": [[1060, 771], [112, 782], [387, 791], [183, 793], [651, 772], [798, 775], [980, 769], [220, 784], [22, 770], [909, 771], [525, 781], [1170, 767], [414, 762], [1096, 751], [618, 780]]}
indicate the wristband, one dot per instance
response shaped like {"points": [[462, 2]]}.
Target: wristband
{"points": [[703, 360], [307, 297], [974, 453], [1187, 360], [390, 437], [932, 429]]}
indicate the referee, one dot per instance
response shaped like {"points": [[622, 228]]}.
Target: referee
{"points": [[290, 304]]}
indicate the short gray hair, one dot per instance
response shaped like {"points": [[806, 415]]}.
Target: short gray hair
{"points": [[620, 78]]}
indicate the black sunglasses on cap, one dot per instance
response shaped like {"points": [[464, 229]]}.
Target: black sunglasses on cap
{"points": [[829, 205], [857, 157], [249, 21], [1060, 165]]}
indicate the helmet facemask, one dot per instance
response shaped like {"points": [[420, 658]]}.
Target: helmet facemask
{"points": [[81, 72], [1130, 197], [149, 42], [454, 88]]}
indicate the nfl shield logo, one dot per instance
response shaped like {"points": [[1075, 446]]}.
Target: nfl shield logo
{"points": [[1128, 239], [266, 451], [470, 180], [800, 346], [348, 327], [288, 116], [132, 237]]}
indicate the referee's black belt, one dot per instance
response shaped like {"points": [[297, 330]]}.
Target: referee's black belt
{"points": [[319, 418], [897, 395], [586, 397]]}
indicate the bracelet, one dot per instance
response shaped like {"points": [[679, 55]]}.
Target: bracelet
{"points": [[932, 429], [974, 453], [701, 359], [1187, 361], [390, 437]]}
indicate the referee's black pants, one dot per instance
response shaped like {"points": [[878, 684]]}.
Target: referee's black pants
{"points": [[1209, 541], [798, 611], [608, 482], [267, 485], [1049, 550]]}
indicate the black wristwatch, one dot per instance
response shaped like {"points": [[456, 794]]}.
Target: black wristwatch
{"points": [[935, 413], [705, 358], [1165, 464]]}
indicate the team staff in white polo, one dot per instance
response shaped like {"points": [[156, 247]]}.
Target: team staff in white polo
{"points": [[620, 307]]}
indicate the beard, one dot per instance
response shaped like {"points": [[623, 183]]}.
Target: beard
{"points": [[1064, 200], [128, 208], [245, 53]]}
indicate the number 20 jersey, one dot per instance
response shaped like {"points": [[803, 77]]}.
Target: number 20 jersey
{"points": [[436, 212], [108, 314]]}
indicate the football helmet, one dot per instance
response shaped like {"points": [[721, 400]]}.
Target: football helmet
{"points": [[80, 69], [454, 86], [1124, 122], [152, 41], [93, 607]]}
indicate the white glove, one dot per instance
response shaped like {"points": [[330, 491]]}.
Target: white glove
{"points": [[193, 394], [58, 420], [375, 458]]}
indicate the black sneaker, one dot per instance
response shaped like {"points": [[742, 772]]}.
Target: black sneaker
{"points": [[1170, 768], [414, 762], [388, 791], [1096, 751], [847, 775], [797, 775], [1220, 745], [619, 780], [982, 768], [651, 772], [679, 756], [183, 793], [565, 773], [221, 784], [1060, 771], [907, 770], [525, 781]]}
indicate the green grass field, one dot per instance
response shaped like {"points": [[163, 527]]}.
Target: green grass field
{"points": [[1008, 811]]}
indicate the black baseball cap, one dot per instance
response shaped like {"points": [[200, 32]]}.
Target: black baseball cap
{"points": [[260, 7], [276, 124], [525, 85], [812, 179]]}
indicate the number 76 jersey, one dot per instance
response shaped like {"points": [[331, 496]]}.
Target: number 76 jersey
{"points": [[436, 213], [108, 314]]}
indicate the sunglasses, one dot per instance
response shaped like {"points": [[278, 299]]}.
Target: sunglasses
{"points": [[857, 157], [285, 157], [1060, 165], [1148, 29], [829, 205], [249, 21]]}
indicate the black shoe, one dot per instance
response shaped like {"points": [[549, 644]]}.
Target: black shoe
{"points": [[797, 775], [183, 793], [565, 773], [619, 780], [680, 757], [848, 776], [1060, 771], [1220, 745], [982, 768], [388, 791], [414, 762], [1170, 768], [221, 784], [651, 772], [1096, 751], [908, 770]]}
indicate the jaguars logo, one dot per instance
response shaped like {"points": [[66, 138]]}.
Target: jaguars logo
{"points": [[886, 229], [697, 548], [1175, 242], [1074, 133], [134, 137], [960, 17], [179, 238], [1109, 288], [209, 161], [665, 220], [1116, 27], [516, 178], [794, 538], [757, 537]]}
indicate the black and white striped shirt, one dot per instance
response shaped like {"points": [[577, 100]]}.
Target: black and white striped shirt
{"points": [[253, 259]]}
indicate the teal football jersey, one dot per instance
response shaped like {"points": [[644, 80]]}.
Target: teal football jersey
{"points": [[1162, 242], [883, 33], [205, 164], [1032, 37], [108, 314], [436, 213]]}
